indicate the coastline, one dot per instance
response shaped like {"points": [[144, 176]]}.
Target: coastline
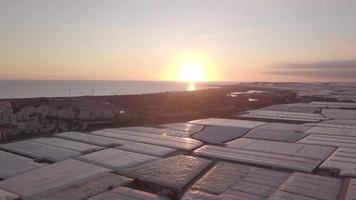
{"points": [[198, 103], [88, 113], [11, 89]]}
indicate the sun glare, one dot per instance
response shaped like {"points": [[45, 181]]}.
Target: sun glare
{"points": [[191, 67], [192, 72]]}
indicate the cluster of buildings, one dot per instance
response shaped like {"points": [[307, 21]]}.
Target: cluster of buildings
{"points": [[338, 91], [52, 117]]}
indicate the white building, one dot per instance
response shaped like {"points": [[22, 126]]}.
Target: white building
{"points": [[6, 113]]}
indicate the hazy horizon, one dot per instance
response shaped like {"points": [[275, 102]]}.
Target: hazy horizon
{"points": [[181, 81], [175, 40]]}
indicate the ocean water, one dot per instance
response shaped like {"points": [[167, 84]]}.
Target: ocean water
{"points": [[56, 88]]}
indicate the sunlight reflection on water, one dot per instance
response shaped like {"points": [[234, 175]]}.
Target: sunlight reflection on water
{"points": [[191, 86]]}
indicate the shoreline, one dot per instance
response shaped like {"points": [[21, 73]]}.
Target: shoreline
{"points": [[88, 113], [12, 89], [201, 102]]}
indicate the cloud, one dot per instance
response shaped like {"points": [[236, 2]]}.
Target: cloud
{"points": [[344, 69]]}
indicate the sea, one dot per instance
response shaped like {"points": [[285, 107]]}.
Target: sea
{"points": [[66, 88]]}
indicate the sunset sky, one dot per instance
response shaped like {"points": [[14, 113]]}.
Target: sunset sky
{"points": [[217, 40]]}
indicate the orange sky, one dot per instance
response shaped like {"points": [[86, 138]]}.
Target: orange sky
{"points": [[233, 40]]}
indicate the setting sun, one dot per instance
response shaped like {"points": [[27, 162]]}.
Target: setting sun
{"points": [[191, 66], [192, 72]]}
